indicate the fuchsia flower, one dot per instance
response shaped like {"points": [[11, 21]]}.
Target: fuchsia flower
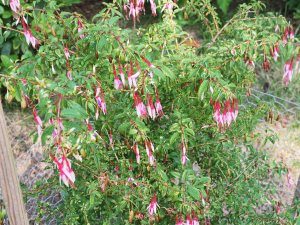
{"points": [[158, 106], [149, 150], [250, 64], [288, 34], [288, 72], [67, 53], [15, 5], [80, 28], [69, 75], [66, 174], [100, 100], [183, 153], [139, 106], [38, 121], [149, 64], [168, 6], [195, 220], [189, 220], [152, 208], [275, 52], [117, 82], [266, 64], [150, 107], [179, 221], [121, 73], [132, 78], [28, 35], [229, 114], [153, 7], [136, 152]]}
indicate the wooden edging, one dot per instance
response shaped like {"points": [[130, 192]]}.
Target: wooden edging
{"points": [[9, 181]]}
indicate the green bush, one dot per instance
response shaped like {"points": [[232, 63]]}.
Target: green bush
{"points": [[202, 163]]}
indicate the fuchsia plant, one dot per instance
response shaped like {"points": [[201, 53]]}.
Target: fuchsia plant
{"points": [[111, 93]]}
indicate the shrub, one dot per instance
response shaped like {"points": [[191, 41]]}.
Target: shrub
{"points": [[166, 142]]}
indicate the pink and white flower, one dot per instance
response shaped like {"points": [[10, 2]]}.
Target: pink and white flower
{"points": [[38, 121], [121, 73], [136, 152], [275, 52], [67, 53], [69, 75], [66, 174], [288, 72], [100, 100], [179, 221], [80, 28], [152, 208], [15, 5], [30, 39], [149, 150], [150, 107], [117, 82], [139, 106], [158, 106], [153, 7]]}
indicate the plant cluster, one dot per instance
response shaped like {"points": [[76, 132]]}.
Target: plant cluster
{"points": [[141, 124]]}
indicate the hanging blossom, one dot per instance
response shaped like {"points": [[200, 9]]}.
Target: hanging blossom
{"points": [[150, 107], [229, 114], [117, 82], [15, 6], [30, 39], [152, 208], [100, 100], [149, 150], [288, 72], [66, 174], [158, 106], [38, 121], [275, 52], [136, 152], [67, 52], [249, 62], [168, 6], [183, 153], [121, 73], [266, 64], [139, 106], [179, 221], [132, 78], [153, 7], [134, 8], [69, 74], [288, 35], [80, 27], [192, 220]]}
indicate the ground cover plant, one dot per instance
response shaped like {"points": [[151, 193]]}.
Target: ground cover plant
{"points": [[141, 125]]}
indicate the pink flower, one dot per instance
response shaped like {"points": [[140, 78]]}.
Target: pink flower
{"points": [[149, 150], [153, 7], [28, 35], [80, 28], [121, 73], [150, 107], [67, 53], [132, 78], [266, 64], [195, 220], [69, 75], [153, 206], [100, 100], [15, 5], [139, 106], [288, 72], [229, 113], [168, 6], [275, 52], [158, 106], [38, 121], [66, 174], [117, 82], [136, 152], [179, 221], [189, 220]]}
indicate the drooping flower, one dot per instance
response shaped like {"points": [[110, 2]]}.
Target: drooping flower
{"points": [[67, 53], [121, 73], [100, 100], [288, 72], [266, 64], [117, 82], [229, 114], [179, 221], [132, 78], [195, 220], [30, 39], [183, 153], [153, 7], [150, 107], [80, 28], [249, 62], [149, 64], [275, 52], [66, 174], [152, 208], [38, 121], [149, 150], [136, 152], [69, 75], [15, 5], [139, 106], [168, 6], [158, 106], [188, 220]]}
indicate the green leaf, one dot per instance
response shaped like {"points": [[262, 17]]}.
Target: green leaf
{"points": [[46, 133], [202, 89], [224, 5], [6, 61], [193, 192], [74, 112], [162, 174]]}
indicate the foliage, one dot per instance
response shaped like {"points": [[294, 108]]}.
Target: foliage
{"points": [[71, 75]]}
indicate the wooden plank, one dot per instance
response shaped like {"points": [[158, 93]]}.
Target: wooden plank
{"points": [[9, 181]]}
